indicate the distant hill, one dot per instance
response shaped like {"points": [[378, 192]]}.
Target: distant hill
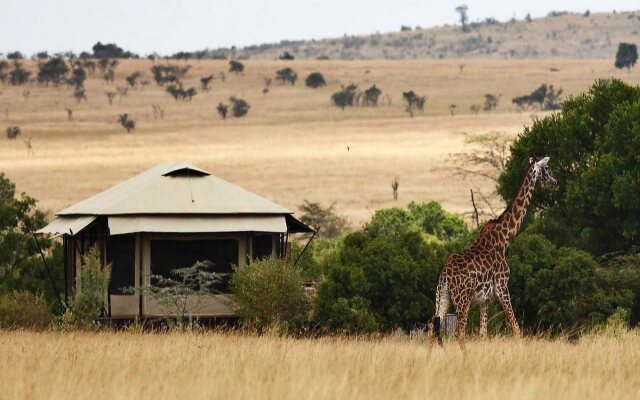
{"points": [[559, 35]]}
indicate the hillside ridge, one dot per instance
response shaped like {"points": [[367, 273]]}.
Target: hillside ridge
{"points": [[558, 35]]}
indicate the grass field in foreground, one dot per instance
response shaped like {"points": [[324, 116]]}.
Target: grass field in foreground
{"points": [[110, 365]]}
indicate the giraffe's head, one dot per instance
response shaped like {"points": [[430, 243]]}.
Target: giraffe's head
{"points": [[541, 170]]}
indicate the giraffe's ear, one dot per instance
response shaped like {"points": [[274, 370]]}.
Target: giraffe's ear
{"points": [[530, 160]]}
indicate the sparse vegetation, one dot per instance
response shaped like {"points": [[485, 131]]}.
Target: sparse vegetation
{"points": [[222, 110], [546, 96], [126, 122], [324, 220], [626, 56], [287, 75], [236, 67], [413, 102], [345, 97], [239, 107], [13, 132], [315, 80]]}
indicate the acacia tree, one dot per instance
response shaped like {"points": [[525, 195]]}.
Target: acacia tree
{"points": [[204, 83], [126, 122], [222, 110], [287, 75], [52, 71], [626, 56], [236, 67], [371, 96], [324, 220], [413, 102], [462, 10], [345, 97]]}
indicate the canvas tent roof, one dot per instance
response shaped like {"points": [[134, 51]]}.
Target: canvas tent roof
{"points": [[177, 197], [175, 188]]}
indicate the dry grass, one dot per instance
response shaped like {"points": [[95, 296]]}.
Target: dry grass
{"points": [[293, 144], [224, 366]]}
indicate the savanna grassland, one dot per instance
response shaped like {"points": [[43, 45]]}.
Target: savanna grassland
{"points": [[293, 144], [109, 365]]}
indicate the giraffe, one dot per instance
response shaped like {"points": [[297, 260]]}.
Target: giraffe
{"points": [[480, 273]]}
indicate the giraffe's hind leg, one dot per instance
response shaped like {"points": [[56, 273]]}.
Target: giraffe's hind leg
{"points": [[484, 318], [462, 302]]}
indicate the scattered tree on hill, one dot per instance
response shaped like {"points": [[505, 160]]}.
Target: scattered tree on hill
{"points": [[165, 74], [132, 80], [546, 96], [315, 80], [475, 109], [19, 75], [239, 107], [15, 55], [52, 71], [204, 83], [42, 55], [122, 92], [110, 96], [126, 122], [371, 96], [286, 75], [452, 109], [413, 102], [626, 56], [345, 97], [462, 10], [267, 85], [222, 110], [110, 50], [286, 56], [405, 28], [395, 184], [13, 132], [77, 78], [324, 220], [79, 95], [4, 66], [236, 67], [179, 93], [69, 114], [491, 101], [158, 112]]}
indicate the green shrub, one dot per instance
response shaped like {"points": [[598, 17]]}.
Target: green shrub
{"points": [[88, 303], [24, 310], [268, 293], [391, 279]]}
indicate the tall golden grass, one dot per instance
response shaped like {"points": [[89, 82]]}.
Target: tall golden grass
{"points": [[108, 365]]}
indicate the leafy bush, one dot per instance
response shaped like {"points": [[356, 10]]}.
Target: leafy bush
{"points": [[88, 303], [23, 310], [268, 293], [315, 80], [557, 288], [345, 97], [239, 107], [427, 218], [593, 144], [380, 282], [287, 75]]}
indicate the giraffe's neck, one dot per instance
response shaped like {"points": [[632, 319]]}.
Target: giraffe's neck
{"points": [[511, 219]]}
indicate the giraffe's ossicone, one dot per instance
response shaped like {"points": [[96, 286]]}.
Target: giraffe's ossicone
{"points": [[480, 273]]}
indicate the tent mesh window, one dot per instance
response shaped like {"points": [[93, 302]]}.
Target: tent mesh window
{"points": [[167, 255], [262, 246], [121, 255]]}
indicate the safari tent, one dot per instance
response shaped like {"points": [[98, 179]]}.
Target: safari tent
{"points": [[169, 217]]}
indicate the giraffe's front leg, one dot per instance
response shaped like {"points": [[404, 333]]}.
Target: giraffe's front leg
{"points": [[484, 318], [502, 292]]}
